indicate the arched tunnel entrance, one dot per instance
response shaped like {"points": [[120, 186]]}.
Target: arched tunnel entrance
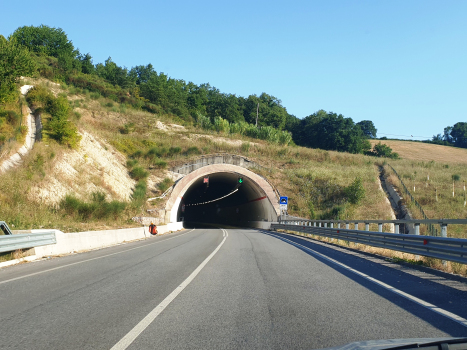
{"points": [[223, 195]]}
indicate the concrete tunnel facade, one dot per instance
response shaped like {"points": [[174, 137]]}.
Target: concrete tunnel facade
{"points": [[223, 200]]}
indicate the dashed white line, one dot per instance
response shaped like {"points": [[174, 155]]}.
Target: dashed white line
{"points": [[130, 337], [419, 301]]}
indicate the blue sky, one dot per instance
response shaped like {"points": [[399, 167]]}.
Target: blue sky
{"points": [[401, 64]]}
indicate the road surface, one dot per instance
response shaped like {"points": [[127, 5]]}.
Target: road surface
{"points": [[222, 289]]}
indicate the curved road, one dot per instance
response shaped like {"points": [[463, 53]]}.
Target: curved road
{"points": [[222, 289]]}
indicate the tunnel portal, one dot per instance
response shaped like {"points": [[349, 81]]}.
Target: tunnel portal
{"points": [[223, 195], [225, 198]]}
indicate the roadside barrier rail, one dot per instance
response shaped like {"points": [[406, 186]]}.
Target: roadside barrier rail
{"points": [[9, 243], [452, 249], [4, 229], [443, 223]]}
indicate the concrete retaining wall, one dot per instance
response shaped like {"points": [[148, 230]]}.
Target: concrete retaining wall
{"points": [[78, 241]]}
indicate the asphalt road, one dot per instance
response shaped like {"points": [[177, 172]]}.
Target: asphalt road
{"points": [[221, 289]]}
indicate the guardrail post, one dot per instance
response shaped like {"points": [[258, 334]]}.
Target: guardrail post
{"points": [[417, 232], [331, 225], [314, 223], [444, 230], [380, 227], [396, 228], [347, 225], [444, 233], [417, 229], [367, 226], [356, 226], [325, 224]]}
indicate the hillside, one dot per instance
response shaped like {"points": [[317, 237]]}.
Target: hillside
{"points": [[124, 154], [426, 151]]}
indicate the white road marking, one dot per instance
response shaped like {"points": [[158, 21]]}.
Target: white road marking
{"points": [[126, 341], [99, 257], [419, 301]]}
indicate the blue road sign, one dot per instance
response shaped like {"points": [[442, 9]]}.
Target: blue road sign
{"points": [[284, 200]]}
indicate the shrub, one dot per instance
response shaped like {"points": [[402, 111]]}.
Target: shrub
{"points": [[192, 150], [355, 191], [139, 193], [159, 163], [97, 208], [127, 128], [165, 184], [204, 122], [382, 150], [57, 126], [138, 173], [95, 95], [221, 125]]}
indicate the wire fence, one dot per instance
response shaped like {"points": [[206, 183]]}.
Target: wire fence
{"points": [[433, 230]]}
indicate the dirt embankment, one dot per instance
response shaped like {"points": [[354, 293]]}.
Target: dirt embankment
{"points": [[94, 166]]}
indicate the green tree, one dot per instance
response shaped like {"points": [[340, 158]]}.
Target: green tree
{"points": [[44, 40], [459, 134], [333, 132], [114, 74], [383, 150], [15, 61], [368, 128], [86, 63]]}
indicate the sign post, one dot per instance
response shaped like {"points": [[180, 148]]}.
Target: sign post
{"points": [[283, 201]]}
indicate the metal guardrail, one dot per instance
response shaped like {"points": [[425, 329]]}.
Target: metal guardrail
{"points": [[452, 249], [443, 223], [11, 243], [4, 229]]}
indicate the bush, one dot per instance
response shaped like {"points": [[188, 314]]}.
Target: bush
{"points": [[355, 192], [192, 150], [221, 125], [97, 208], [204, 122], [138, 173], [139, 193], [159, 163], [165, 184], [382, 150], [127, 128], [57, 126]]}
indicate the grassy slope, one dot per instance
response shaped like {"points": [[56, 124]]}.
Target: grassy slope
{"points": [[428, 170], [293, 170]]}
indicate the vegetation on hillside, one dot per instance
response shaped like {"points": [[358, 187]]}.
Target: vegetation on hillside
{"points": [[334, 188], [142, 87], [455, 135]]}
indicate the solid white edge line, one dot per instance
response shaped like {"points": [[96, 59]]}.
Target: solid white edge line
{"points": [[130, 337], [421, 302], [96, 258]]}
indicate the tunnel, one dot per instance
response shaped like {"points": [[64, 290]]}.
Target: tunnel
{"points": [[226, 195]]}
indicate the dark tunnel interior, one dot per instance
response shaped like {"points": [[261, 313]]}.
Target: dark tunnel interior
{"points": [[225, 198]]}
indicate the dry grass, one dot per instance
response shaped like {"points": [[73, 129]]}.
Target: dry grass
{"points": [[396, 256], [431, 184], [427, 152]]}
